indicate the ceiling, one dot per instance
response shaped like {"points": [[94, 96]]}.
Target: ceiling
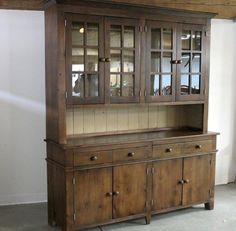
{"points": [[224, 8]]}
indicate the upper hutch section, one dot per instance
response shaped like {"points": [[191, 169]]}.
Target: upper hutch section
{"points": [[99, 53]]}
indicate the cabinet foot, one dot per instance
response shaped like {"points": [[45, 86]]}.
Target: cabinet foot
{"points": [[148, 219], [209, 205]]}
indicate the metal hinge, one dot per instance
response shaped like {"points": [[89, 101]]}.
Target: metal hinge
{"points": [[73, 181], [140, 29], [65, 22], [153, 170], [66, 94], [145, 93], [146, 204], [74, 216], [147, 171], [145, 29], [152, 202]]}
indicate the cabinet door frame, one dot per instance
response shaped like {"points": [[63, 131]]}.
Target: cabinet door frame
{"points": [[203, 74], [68, 53], [161, 25], [137, 38]]}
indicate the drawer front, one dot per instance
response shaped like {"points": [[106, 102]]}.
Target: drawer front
{"points": [[131, 154], [92, 158], [198, 146], [167, 150]]}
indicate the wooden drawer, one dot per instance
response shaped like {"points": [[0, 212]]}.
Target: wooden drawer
{"points": [[167, 150], [197, 146], [131, 154], [91, 158]]}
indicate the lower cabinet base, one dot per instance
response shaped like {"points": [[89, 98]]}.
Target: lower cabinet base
{"points": [[209, 205]]}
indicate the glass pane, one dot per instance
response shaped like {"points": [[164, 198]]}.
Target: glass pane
{"points": [[115, 36], [78, 84], [155, 62], [77, 33], [92, 34], [196, 63], [156, 38], [166, 62], [167, 39], [185, 65], [166, 85], [155, 85], [92, 60], [195, 88], [77, 59], [186, 40], [91, 85], [197, 40], [115, 64], [128, 63], [184, 84], [128, 36], [115, 85], [127, 85]]}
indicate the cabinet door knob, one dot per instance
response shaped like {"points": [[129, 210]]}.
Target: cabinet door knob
{"points": [[93, 158], [131, 154], [102, 60], [116, 193], [109, 194], [186, 181], [181, 182], [179, 61], [174, 61], [169, 150], [108, 60], [198, 146]]}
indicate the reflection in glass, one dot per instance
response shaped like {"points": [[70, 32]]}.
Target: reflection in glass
{"points": [[127, 85], [186, 40], [128, 63], [92, 60], [91, 85], [196, 63], [77, 59], [195, 88], [115, 64], [115, 36], [197, 37], [77, 33], [155, 62], [184, 84], [167, 39], [128, 36], [155, 85], [166, 62], [78, 84], [92, 34], [185, 65], [115, 85], [166, 85], [156, 39]]}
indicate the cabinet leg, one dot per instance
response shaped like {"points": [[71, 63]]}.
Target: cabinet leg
{"points": [[209, 205], [148, 219]]}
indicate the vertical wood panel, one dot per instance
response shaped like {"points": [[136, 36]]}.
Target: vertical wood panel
{"points": [[133, 117], [143, 117], [78, 121], [111, 119], [89, 123], [122, 118], [69, 122], [162, 117], [152, 116], [100, 120]]}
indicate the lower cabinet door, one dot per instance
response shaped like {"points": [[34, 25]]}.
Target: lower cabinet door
{"points": [[197, 178], [93, 196], [167, 187], [130, 190]]}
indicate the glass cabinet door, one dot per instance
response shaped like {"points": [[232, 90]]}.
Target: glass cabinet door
{"points": [[190, 69], [160, 69], [84, 48], [122, 60]]}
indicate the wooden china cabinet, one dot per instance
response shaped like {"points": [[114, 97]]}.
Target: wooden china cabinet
{"points": [[127, 110]]}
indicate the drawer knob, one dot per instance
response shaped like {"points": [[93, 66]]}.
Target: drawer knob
{"points": [[186, 181], [198, 146], [108, 60], [102, 60], [181, 182], [109, 194], [116, 193], [131, 154], [169, 150], [93, 158]]}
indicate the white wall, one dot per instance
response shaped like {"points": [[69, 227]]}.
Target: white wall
{"points": [[222, 110], [22, 99], [22, 110]]}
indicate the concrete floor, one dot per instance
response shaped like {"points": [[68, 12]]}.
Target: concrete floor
{"points": [[33, 217]]}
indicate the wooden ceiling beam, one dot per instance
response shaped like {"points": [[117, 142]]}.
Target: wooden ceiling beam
{"points": [[225, 8]]}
